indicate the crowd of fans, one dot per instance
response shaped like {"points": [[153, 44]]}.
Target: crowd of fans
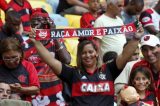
{"points": [[38, 72]]}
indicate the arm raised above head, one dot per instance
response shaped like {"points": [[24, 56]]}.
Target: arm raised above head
{"points": [[129, 49]]}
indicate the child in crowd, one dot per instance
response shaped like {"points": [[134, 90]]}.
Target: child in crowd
{"points": [[88, 19], [141, 79]]}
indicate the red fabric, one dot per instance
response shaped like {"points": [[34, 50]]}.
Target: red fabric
{"points": [[85, 1], [87, 20], [33, 76], [25, 17], [3, 5], [39, 12], [1, 23]]}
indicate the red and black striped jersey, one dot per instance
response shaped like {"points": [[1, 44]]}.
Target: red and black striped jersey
{"points": [[95, 89], [25, 11]]}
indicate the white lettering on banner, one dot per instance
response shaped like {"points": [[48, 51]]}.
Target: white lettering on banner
{"points": [[104, 31], [119, 30], [74, 33], [98, 32], [100, 87], [61, 33]]}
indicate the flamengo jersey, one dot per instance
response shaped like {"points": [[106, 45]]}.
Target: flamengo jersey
{"points": [[150, 17], [50, 85], [25, 74], [154, 75], [91, 90], [87, 20], [24, 11]]}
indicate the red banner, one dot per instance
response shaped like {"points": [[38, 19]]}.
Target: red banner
{"points": [[44, 34]]}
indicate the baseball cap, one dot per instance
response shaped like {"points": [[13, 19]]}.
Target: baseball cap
{"points": [[150, 40]]}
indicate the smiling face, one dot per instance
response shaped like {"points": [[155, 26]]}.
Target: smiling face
{"points": [[141, 82], [140, 78], [89, 56], [150, 53]]}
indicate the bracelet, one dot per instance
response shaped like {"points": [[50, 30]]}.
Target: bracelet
{"points": [[60, 48]]}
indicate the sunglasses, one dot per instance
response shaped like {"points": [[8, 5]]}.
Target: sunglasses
{"points": [[11, 59]]}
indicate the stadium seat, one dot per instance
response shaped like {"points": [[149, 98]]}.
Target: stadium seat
{"points": [[41, 4], [54, 4], [59, 20], [74, 20], [71, 45]]}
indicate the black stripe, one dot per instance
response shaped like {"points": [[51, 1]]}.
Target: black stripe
{"points": [[45, 85], [24, 12], [26, 24]]}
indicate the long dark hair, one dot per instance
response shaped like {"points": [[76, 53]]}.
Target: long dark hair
{"points": [[146, 72]]}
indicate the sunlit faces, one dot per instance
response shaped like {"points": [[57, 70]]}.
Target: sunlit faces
{"points": [[141, 82], [150, 53], [89, 56], [5, 91], [11, 59], [117, 7]]}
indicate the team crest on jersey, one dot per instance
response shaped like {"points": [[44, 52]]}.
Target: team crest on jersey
{"points": [[22, 78], [102, 76]]}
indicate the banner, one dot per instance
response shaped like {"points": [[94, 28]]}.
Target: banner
{"points": [[44, 34]]}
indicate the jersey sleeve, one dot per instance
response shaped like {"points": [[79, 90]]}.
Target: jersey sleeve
{"points": [[67, 73], [114, 69], [33, 76], [84, 22], [3, 5]]}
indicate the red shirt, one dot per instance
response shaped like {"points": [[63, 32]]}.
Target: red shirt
{"points": [[87, 20], [25, 12]]}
